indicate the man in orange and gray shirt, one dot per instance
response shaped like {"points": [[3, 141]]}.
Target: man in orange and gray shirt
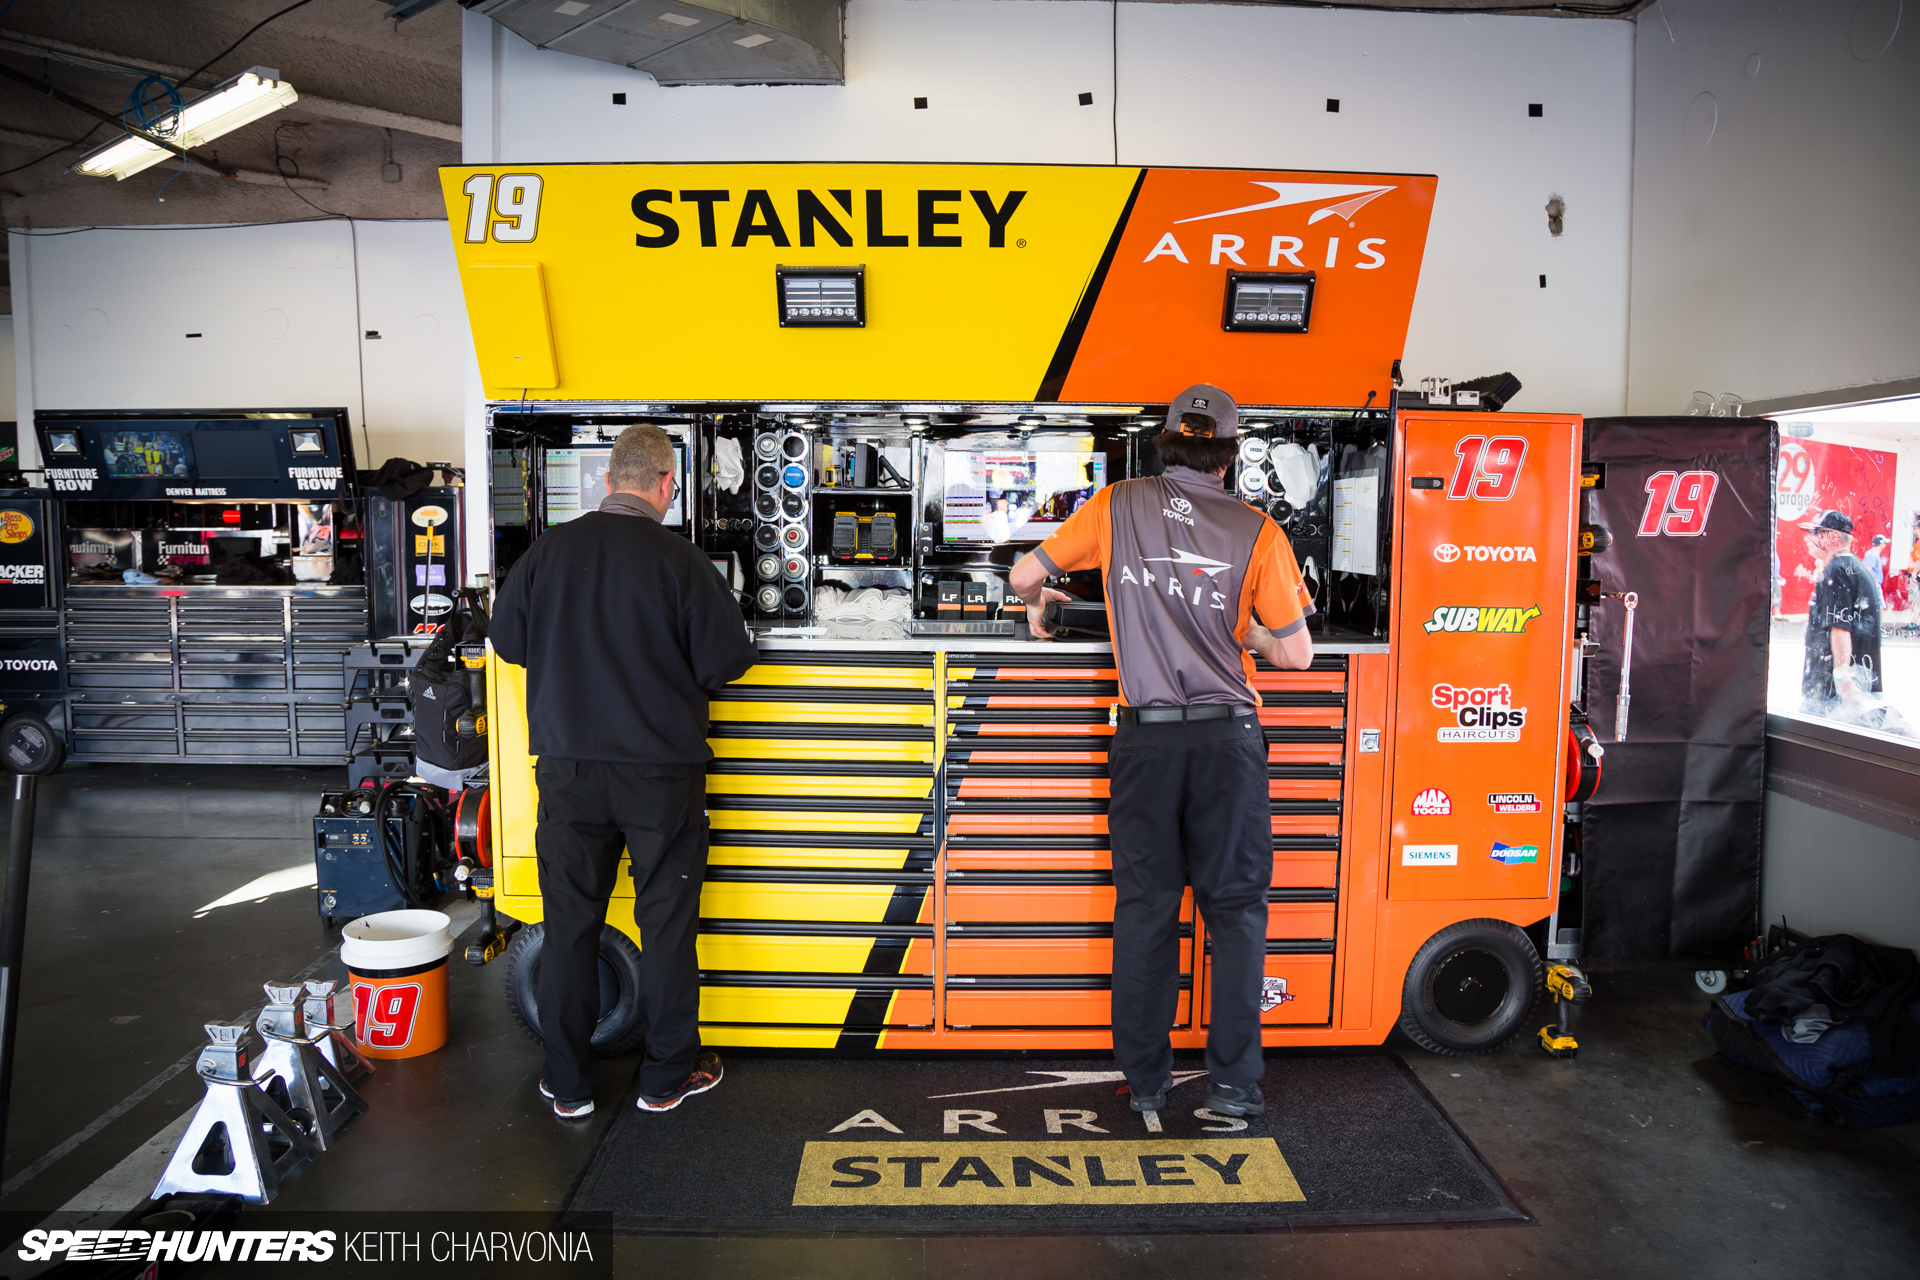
{"points": [[1186, 567]]}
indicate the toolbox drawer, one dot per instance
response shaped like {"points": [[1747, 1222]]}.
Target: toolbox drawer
{"points": [[972, 1006], [797, 953], [817, 1006], [1304, 996]]}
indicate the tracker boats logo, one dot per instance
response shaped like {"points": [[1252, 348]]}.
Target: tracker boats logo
{"points": [[1432, 803], [1480, 715], [1336, 200]]}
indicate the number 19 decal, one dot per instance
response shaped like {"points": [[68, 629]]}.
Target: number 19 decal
{"points": [[1678, 503], [1489, 470], [511, 209]]}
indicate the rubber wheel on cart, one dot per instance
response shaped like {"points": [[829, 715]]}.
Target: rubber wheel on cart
{"points": [[619, 1029], [1471, 988]]}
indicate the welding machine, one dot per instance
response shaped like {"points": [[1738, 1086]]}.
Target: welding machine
{"points": [[381, 847]]}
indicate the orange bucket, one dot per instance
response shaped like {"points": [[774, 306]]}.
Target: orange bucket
{"points": [[398, 963]]}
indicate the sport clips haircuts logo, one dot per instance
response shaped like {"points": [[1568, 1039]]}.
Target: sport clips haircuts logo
{"points": [[1479, 715], [1480, 619]]}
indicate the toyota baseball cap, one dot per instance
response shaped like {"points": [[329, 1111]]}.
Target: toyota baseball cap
{"points": [[1205, 401], [1835, 520]]}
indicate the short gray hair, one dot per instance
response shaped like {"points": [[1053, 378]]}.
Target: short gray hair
{"points": [[640, 457]]}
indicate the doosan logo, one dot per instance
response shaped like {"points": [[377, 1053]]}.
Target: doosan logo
{"points": [[1432, 803], [1447, 553]]}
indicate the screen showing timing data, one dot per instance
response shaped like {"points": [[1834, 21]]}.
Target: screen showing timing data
{"points": [[577, 483], [1015, 495]]}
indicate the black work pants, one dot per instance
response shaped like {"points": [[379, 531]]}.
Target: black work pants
{"points": [[589, 811], [1189, 805]]}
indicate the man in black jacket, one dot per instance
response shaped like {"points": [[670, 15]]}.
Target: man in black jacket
{"points": [[624, 629]]}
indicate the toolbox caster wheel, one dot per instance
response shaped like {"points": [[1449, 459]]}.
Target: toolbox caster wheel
{"points": [[1470, 988], [619, 1029], [1711, 981]]}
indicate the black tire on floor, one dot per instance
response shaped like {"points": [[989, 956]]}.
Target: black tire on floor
{"points": [[1471, 988], [619, 1029]]}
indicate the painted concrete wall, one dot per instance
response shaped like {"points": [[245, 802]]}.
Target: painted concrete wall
{"points": [[284, 313], [1830, 873], [1775, 177]]}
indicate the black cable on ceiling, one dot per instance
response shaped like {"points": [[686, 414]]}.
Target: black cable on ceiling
{"points": [[1586, 10], [242, 40]]}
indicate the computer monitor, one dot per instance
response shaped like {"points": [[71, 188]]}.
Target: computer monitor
{"points": [[1015, 495], [576, 482]]}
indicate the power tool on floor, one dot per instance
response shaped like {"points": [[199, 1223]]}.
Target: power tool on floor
{"points": [[1568, 987]]}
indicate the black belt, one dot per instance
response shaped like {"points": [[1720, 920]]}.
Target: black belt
{"points": [[1175, 715]]}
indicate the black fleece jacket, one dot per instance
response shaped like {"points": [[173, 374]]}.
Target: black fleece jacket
{"points": [[624, 629]]}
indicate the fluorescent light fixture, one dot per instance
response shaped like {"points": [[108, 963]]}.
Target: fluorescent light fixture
{"points": [[240, 101]]}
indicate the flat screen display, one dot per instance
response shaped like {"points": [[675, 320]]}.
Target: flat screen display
{"points": [[146, 453], [1016, 495], [577, 482]]}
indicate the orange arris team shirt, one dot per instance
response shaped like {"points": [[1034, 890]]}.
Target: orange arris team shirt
{"points": [[1185, 565]]}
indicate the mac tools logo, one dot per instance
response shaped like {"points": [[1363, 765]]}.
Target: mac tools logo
{"points": [[1432, 803], [1336, 200], [1177, 583], [1447, 553]]}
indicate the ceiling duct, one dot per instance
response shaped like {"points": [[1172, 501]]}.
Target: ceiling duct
{"points": [[713, 42]]}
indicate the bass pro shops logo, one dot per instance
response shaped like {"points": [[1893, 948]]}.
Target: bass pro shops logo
{"points": [[1480, 715], [15, 526], [1432, 803], [1480, 619], [1447, 553]]}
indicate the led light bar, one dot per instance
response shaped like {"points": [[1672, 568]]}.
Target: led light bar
{"points": [[240, 101], [1268, 302], [822, 297]]}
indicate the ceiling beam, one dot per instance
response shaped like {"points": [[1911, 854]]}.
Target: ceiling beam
{"points": [[254, 177], [309, 104]]}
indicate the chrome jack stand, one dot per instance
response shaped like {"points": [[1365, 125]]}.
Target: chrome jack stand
{"points": [[240, 1142], [330, 1011], [315, 1093]]}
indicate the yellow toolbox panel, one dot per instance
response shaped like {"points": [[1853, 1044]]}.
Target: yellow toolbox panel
{"points": [[829, 713], [792, 676], [761, 900], [912, 750], [839, 820], [851, 786], [801, 857], [786, 953]]}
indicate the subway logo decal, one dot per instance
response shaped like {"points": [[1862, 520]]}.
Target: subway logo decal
{"points": [[983, 282]]}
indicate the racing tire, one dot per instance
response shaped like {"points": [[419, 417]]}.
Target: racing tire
{"points": [[1471, 988], [619, 1030]]}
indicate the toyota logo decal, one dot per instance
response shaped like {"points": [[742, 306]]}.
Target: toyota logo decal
{"points": [[1183, 507], [1446, 553]]}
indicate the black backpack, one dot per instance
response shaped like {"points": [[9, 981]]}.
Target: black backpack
{"points": [[443, 693]]}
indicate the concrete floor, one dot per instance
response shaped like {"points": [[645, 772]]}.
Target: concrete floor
{"points": [[1642, 1158]]}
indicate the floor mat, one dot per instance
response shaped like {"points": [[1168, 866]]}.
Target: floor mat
{"points": [[805, 1147]]}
